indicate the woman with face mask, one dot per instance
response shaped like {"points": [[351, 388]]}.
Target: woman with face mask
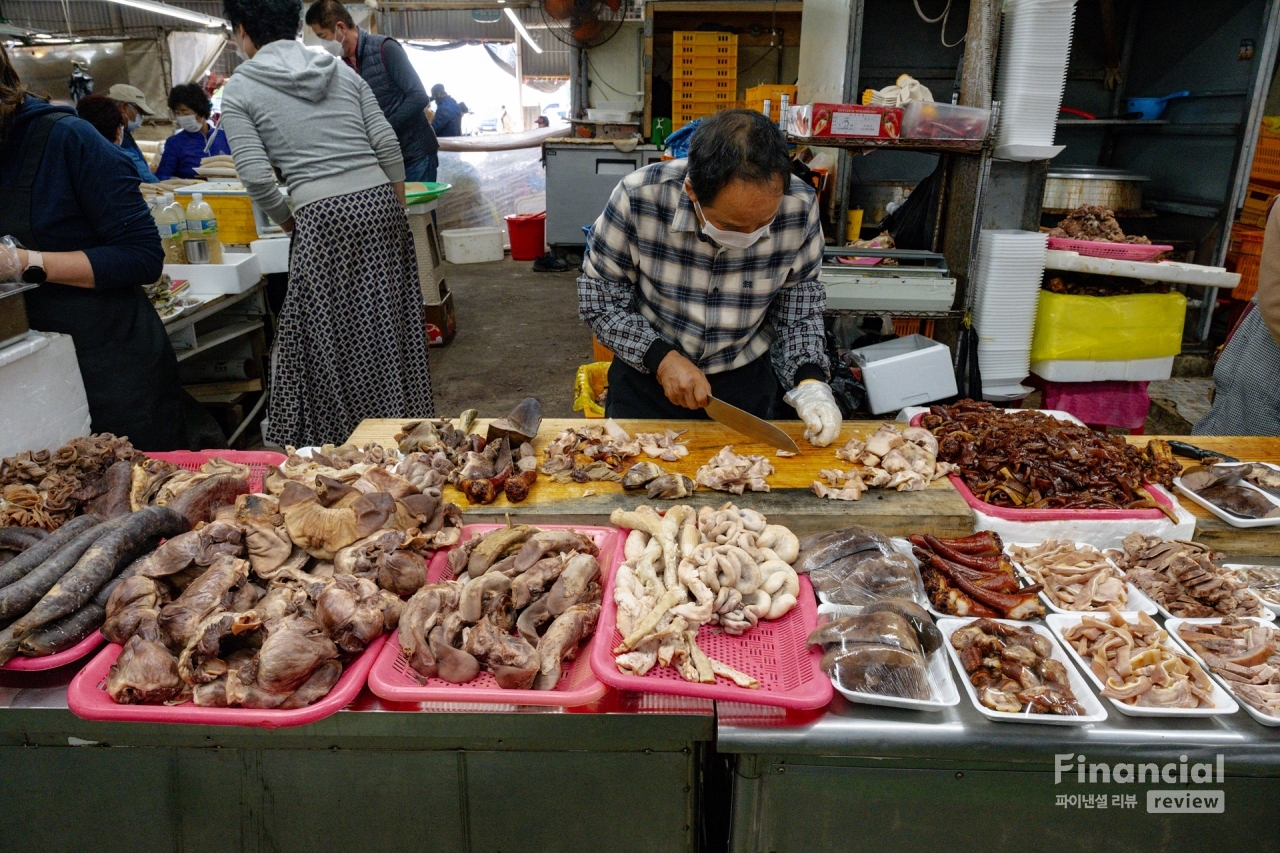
{"points": [[196, 137], [701, 276]]}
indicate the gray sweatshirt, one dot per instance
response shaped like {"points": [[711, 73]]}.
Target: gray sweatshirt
{"points": [[311, 117]]}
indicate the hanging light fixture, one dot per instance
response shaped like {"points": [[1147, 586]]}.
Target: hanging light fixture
{"points": [[524, 34], [173, 12]]}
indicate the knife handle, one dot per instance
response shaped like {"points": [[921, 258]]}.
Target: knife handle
{"points": [[1190, 451]]}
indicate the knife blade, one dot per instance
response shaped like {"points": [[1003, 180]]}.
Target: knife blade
{"points": [[749, 425], [1190, 451]]}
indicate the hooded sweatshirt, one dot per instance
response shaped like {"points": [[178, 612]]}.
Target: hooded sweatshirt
{"points": [[311, 117]]}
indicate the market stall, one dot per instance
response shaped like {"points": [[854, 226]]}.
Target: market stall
{"points": [[647, 756]]}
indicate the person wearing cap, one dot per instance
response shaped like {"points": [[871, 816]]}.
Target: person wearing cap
{"points": [[133, 106], [108, 120], [448, 120]]}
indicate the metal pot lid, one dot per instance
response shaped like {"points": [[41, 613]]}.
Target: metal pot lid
{"points": [[1094, 173]]}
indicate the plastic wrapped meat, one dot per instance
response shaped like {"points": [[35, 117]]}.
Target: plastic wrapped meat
{"points": [[867, 577], [879, 653], [822, 549]]}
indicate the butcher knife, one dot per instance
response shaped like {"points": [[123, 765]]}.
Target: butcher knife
{"points": [[749, 425]]}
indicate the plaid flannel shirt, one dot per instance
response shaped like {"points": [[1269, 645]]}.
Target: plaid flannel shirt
{"points": [[652, 282]]}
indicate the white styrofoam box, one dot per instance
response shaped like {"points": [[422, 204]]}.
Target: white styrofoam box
{"points": [[1135, 370], [273, 254], [472, 245], [905, 372], [44, 401], [238, 272]]}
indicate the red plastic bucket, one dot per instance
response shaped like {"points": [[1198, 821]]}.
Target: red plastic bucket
{"points": [[528, 233]]}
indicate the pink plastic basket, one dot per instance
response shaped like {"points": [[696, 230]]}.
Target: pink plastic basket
{"points": [[774, 652], [1114, 251], [87, 698], [1034, 515], [81, 649], [257, 460], [392, 678]]}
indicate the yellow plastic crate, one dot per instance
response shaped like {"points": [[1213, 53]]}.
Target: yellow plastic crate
{"points": [[234, 214], [722, 98], [1256, 200], [772, 91], [1266, 159], [703, 84], [690, 38], [711, 68]]}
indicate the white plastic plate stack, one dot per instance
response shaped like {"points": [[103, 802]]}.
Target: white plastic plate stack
{"points": [[1006, 292], [1034, 48]]}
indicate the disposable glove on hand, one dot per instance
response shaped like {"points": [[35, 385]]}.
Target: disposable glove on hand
{"points": [[816, 405], [10, 266]]}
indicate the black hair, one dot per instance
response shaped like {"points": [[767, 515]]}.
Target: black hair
{"points": [[12, 93], [326, 13], [437, 91], [102, 113], [190, 95], [264, 21], [741, 144]]}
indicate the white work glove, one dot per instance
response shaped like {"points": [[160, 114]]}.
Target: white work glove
{"points": [[816, 405], [10, 266]]}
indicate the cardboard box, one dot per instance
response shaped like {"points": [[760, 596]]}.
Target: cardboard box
{"points": [[434, 287], [816, 120], [440, 321], [908, 371]]}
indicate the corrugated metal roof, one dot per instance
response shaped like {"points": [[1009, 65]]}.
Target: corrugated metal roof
{"points": [[97, 17]]}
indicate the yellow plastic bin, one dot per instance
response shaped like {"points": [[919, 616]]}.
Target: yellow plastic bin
{"points": [[590, 385], [1108, 328]]}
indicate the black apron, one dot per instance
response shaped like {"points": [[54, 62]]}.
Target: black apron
{"points": [[633, 394], [126, 360]]}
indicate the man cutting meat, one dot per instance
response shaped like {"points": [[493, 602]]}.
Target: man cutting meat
{"points": [[702, 276]]}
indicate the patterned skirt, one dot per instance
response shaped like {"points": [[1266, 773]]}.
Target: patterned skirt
{"points": [[1246, 397], [351, 343]]}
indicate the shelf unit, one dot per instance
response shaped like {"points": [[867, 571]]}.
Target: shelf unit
{"points": [[927, 146]]}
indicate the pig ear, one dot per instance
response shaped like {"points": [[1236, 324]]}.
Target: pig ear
{"points": [[372, 511]]}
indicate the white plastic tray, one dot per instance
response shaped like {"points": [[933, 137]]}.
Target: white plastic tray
{"points": [[1229, 518], [1171, 625], [1273, 608], [1137, 599], [1172, 271], [941, 683], [1222, 701], [238, 272], [1095, 711]]}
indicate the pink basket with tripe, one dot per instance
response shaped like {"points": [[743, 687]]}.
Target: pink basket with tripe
{"points": [[393, 679], [774, 652], [1139, 252], [257, 460], [88, 699]]}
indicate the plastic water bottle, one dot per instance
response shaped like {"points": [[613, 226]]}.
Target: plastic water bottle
{"points": [[783, 111], [203, 225], [171, 222], [768, 108]]}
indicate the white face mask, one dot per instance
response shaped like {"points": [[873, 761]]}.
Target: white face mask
{"points": [[333, 47], [241, 53], [731, 239], [191, 124], [134, 123]]}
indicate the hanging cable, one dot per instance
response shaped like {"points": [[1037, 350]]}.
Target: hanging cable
{"points": [[946, 13]]}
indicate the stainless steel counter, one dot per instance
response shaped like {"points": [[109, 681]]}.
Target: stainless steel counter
{"points": [[861, 778]]}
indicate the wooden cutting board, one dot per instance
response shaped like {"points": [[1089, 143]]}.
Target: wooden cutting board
{"points": [[789, 500]]}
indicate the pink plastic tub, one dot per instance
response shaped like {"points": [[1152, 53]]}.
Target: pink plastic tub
{"points": [[774, 652], [81, 649], [87, 698], [1033, 515], [257, 460], [392, 678], [1102, 249]]}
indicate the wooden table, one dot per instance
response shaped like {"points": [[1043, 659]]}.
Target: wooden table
{"points": [[790, 502]]}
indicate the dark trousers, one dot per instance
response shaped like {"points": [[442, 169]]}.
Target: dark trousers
{"points": [[424, 169], [633, 394]]}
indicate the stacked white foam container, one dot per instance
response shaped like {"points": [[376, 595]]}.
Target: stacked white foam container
{"points": [[1006, 292], [1035, 45]]}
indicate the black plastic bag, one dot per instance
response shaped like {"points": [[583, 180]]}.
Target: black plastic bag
{"points": [[912, 225]]}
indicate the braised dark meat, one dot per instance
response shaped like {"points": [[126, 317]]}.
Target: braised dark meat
{"points": [[1029, 460], [983, 585]]}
